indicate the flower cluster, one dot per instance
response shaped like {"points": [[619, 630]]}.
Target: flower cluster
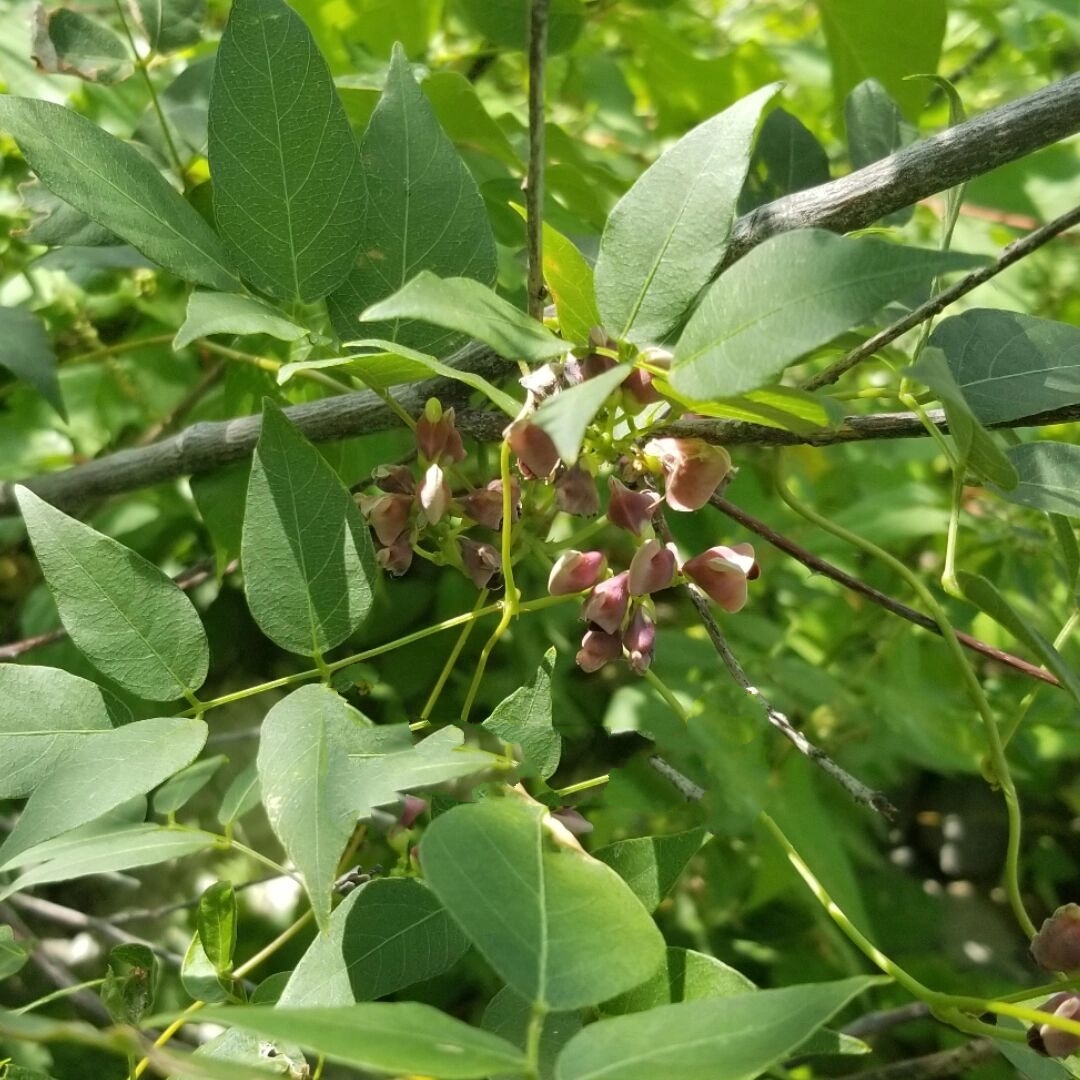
{"points": [[1056, 947]]}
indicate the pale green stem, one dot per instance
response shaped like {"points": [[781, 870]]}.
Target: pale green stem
{"points": [[1064, 634], [451, 661], [259, 857], [667, 694], [63, 992], [948, 574], [993, 735], [583, 785], [533, 1035], [265, 363]]}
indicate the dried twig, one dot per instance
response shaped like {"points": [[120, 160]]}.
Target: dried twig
{"points": [[534, 184], [886, 1019], [826, 569], [1015, 251]]}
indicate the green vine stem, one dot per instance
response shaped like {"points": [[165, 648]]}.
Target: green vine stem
{"points": [[993, 736]]}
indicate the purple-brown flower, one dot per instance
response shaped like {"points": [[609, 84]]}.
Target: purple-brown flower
{"points": [[1056, 947], [1051, 1041], [535, 451], [396, 558], [597, 648], [485, 505], [639, 640], [575, 492], [481, 561], [387, 514], [628, 509], [651, 569], [576, 571], [437, 437], [394, 479], [722, 572], [607, 604], [693, 470]]}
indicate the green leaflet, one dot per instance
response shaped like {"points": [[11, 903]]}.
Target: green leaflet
{"points": [[27, 352], [282, 155], [216, 922], [171, 24], [791, 294], [567, 415], [651, 865], [508, 1015], [233, 313], [557, 925], [1048, 477], [668, 233], [102, 772], [131, 622], [525, 718], [420, 209], [506, 22], [112, 183], [309, 565]]}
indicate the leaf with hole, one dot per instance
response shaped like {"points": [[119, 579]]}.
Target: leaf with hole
{"points": [[309, 565], [116, 186], [130, 620], [420, 210], [283, 157]]}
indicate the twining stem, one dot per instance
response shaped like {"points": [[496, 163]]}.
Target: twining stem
{"points": [[949, 581], [141, 64], [451, 661], [667, 694], [993, 736], [408, 639]]}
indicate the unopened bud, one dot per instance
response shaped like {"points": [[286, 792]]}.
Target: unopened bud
{"points": [[1051, 1041], [639, 640], [596, 364], [607, 604], [1056, 947], [651, 569], [693, 470], [535, 451], [397, 557], [639, 391], [576, 571], [434, 495], [387, 514], [481, 562], [575, 492], [485, 506], [628, 509], [722, 572], [437, 438], [597, 648]]}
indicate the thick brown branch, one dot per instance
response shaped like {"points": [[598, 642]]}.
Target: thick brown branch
{"points": [[826, 569]]}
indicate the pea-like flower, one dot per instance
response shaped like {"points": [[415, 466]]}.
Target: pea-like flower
{"points": [[575, 492], [651, 569], [607, 604], [693, 470], [628, 509], [597, 649], [481, 561], [396, 558], [485, 506], [576, 571], [535, 451], [1056, 947], [394, 479], [387, 514], [1051, 1041], [722, 572], [437, 437], [639, 640]]}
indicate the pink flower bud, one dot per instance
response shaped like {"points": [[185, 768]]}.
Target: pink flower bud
{"points": [[628, 509], [597, 648], [412, 809], [481, 562], [639, 640], [722, 572], [1056, 947], [575, 492], [576, 571], [693, 470], [596, 364], [395, 479], [1051, 1041], [397, 557], [437, 438], [387, 514], [434, 495], [651, 569], [639, 390], [607, 604], [573, 820], [535, 451]]}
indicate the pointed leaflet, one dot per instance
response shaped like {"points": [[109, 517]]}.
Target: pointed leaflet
{"points": [[308, 784], [233, 313], [131, 621], [44, 712], [558, 926], [186, 784], [12, 954], [112, 183], [651, 865], [1010, 365], [421, 210], [383, 937], [685, 976], [1048, 474], [735, 1038], [791, 294], [402, 1037], [25, 350], [467, 306], [283, 158], [566, 415], [309, 567], [100, 773], [216, 922], [667, 235], [525, 718]]}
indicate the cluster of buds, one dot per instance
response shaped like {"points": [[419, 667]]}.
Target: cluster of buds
{"points": [[408, 507], [1056, 947]]}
